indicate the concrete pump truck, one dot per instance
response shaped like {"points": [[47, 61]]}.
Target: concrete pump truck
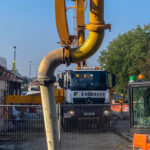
{"points": [[69, 53], [87, 94]]}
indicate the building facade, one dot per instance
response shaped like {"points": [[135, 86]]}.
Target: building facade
{"points": [[10, 84]]}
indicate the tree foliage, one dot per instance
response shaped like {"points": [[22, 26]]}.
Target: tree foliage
{"points": [[127, 55]]}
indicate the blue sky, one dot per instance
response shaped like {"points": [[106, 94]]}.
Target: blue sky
{"points": [[30, 26]]}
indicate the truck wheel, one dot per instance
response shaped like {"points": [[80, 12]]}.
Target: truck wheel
{"points": [[106, 124], [64, 125]]}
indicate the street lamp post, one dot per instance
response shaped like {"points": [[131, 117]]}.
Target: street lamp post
{"points": [[14, 61], [30, 69]]}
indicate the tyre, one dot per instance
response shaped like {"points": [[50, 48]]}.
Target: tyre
{"points": [[65, 124], [106, 124]]}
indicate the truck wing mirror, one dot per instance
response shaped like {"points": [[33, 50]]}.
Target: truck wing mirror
{"points": [[72, 75], [60, 82]]}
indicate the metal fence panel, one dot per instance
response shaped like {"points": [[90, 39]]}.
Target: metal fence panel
{"points": [[22, 127], [95, 126], [81, 127]]}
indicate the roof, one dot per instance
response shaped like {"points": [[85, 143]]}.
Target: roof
{"points": [[90, 70], [8, 75], [143, 83]]}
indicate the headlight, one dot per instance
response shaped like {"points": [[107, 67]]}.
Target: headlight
{"points": [[106, 113], [69, 114]]}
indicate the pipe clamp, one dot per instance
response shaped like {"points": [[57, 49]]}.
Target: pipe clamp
{"points": [[96, 27], [46, 81]]}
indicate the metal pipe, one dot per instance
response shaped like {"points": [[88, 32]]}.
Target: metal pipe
{"points": [[46, 79], [80, 22], [48, 65], [55, 58], [50, 117], [95, 38], [87, 49]]}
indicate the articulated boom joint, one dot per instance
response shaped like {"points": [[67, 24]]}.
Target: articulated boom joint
{"points": [[95, 27], [67, 54]]}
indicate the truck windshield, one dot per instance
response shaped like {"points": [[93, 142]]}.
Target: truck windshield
{"points": [[88, 80]]}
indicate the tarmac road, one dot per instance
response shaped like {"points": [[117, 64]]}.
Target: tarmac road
{"points": [[74, 141], [31, 136], [93, 141]]}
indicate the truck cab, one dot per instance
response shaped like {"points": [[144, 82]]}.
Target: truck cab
{"points": [[88, 86], [87, 95], [139, 96]]}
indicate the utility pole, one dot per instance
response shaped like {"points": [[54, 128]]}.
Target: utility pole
{"points": [[30, 69], [14, 61]]}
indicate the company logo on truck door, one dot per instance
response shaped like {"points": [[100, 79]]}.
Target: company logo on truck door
{"points": [[93, 94], [76, 94], [98, 94]]}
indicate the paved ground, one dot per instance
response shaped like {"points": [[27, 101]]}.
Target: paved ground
{"points": [[34, 139], [72, 141], [93, 141], [30, 136]]}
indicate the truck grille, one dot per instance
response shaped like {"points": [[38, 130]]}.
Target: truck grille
{"points": [[85, 110], [88, 100]]}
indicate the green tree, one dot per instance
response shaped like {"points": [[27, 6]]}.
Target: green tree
{"points": [[126, 54], [144, 66]]}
